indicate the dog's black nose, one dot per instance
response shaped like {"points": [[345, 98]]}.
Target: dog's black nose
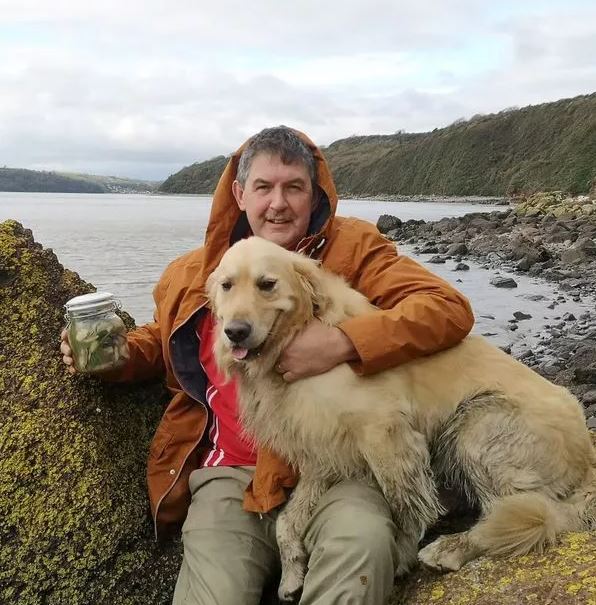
{"points": [[237, 330]]}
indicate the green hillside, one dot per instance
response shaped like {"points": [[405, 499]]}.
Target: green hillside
{"points": [[19, 179], [201, 177], [543, 147]]}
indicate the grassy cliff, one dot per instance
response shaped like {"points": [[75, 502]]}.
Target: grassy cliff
{"points": [[538, 148], [201, 177]]}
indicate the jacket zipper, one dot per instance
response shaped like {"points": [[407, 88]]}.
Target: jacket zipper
{"points": [[196, 442]]}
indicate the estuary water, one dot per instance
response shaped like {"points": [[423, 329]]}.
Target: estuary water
{"points": [[122, 243]]}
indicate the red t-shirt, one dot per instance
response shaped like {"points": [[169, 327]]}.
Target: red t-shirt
{"points": [[229, 447]]}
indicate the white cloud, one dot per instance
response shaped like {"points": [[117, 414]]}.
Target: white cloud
{"points": [[141, 89]]}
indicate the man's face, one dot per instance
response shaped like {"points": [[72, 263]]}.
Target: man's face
{"points": [[277, 199]]}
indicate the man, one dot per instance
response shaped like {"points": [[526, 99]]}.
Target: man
{"points": [[201, 469]]}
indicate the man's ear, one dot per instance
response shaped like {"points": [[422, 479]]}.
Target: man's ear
{"points": [[312, 281], [238, 192]]}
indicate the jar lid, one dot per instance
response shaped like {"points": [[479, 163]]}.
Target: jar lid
{"points": [[87, 302]]}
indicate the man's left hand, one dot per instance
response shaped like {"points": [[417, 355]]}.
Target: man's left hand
{"points": [[315, 350]]}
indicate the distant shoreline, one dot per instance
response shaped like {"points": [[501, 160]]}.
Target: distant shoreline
{"points": [[431, 198]]}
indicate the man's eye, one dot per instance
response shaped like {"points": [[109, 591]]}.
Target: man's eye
{"points": [[226, 285], [266, 285]]}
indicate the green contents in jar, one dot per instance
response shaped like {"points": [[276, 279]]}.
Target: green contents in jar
{"points": [[98, 343], [96, 334]]}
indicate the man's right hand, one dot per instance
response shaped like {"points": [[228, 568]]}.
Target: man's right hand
{"points": [[67, 352]]}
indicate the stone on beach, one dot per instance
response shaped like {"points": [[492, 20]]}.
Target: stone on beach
{"points": [[503, 282], [388, 222], [582, 250], [457, 249], [586, 375]]}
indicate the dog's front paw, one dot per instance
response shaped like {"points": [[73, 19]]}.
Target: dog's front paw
{"points": [[292, 580], [446, 553]]}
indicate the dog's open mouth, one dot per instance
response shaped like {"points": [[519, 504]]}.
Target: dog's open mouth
{"points": [[239, 353], [246, 354]]}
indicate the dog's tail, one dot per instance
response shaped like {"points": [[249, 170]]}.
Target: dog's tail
{"points": [[530, 521]]}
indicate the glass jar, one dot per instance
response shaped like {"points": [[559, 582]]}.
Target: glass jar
{"points": [[97, 336]]}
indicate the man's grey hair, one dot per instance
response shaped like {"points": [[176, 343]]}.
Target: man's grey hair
{"points": [[279, 141]]}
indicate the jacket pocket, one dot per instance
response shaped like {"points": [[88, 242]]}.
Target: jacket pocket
{"points": [[161, 439]]}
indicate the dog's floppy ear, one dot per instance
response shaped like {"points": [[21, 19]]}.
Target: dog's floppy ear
{"points": [[312, 281], [211, 287]]}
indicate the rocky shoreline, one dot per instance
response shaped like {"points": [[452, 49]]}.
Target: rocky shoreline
{"points": [[547, 236], [430, 198]]}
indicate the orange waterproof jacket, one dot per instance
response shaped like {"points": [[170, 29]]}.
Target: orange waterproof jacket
{"points": [[419, 314]]}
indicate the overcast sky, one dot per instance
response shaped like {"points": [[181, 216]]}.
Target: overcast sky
{"points": [[142, 88]]}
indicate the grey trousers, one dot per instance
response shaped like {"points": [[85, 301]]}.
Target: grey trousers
{"points": [[231, 556]]}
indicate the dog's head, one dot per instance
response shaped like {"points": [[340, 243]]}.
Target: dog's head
{"points": [[262, 295]]}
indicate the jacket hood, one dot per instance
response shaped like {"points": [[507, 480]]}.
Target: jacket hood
{"points": [[228, 224]]}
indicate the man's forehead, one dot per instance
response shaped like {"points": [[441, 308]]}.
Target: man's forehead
{"points": [[267, 165]]}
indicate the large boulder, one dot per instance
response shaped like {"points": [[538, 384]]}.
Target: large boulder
{"points": [[74, 522], [388, 222], [564, 575], [583, 249], [522, 246]]}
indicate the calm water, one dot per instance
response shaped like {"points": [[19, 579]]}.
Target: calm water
{"points": [[122, 243]]}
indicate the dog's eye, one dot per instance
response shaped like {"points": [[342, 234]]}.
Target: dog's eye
{"points": [[266, 285], [226, 285]]}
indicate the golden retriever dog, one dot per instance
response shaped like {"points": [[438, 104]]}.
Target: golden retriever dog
{"points": [[515, 444]]}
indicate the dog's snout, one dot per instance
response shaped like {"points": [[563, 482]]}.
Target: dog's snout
{"points": [[237, 330]]}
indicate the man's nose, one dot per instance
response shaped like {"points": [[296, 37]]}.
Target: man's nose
{"points": [[277, 199], [237, 330]]}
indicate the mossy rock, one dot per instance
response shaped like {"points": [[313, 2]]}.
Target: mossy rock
{"points": [[74, 518], [555, 204], [564, 575]]}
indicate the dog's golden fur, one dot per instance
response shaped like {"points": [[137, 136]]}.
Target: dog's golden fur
{"points": [[514, 442]]}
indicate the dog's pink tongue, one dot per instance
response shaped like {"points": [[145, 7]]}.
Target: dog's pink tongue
{"points": [[239, 352]]}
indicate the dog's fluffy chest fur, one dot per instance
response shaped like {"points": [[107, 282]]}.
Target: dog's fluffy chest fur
{"points": [[280, 417]]}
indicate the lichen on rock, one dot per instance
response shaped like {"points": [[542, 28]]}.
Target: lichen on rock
{"points": [[74, 522], [556, 204], [563, 575]]}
